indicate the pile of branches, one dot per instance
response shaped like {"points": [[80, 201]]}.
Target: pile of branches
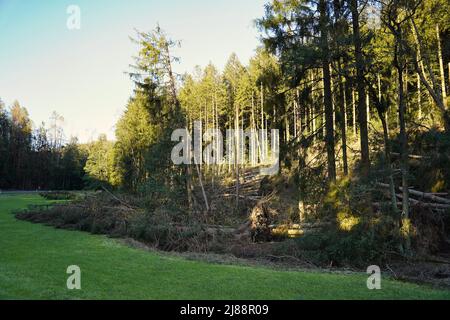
{"points": [[58, 195], [429, 213], [122, 217], [98, 214]]}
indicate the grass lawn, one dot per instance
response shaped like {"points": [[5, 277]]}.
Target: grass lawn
{"points": [[34, 259]]}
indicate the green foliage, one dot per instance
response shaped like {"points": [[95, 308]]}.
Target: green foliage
{"points": [[368, 242], [99, 166], [160, 230], [58, 195]]}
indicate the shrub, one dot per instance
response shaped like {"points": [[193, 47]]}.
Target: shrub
{"points": [[59, 195], [368, 242]]}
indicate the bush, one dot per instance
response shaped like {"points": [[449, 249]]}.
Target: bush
{"points": [[368, 242], [160, 229], [163, 228], [59, 195]]}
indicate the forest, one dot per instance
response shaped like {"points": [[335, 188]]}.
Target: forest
{"points": [[358, 91]]}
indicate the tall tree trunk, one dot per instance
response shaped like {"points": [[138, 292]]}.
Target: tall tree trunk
{"points": [[400, 66], [382, 107], [333, 91], [419, 96], [368, 110], [329, 138], [343, 120], [237, 153], [387, 149], [386, 117], [362, 112], [354, 111], [441, 66]]}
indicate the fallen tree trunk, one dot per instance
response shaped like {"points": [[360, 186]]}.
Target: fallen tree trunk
{"points": [[426, 204], [119, 200], [423, 195], [428, 196], [411, 156]]}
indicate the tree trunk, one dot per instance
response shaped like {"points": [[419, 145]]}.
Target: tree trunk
{"points": [[399, 64], [362, 112], [237, 155], [419, 96], [343, 120], [441, 66], [329, 132], [354, 111], [387, 148], [382, 110]]}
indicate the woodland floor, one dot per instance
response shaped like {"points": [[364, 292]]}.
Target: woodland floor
{"points": [[34, 259]]}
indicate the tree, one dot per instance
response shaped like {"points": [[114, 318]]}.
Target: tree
{"points": [[74, 161], [20, 147], [360, 83], [324, 25], [99, 165], [425, 20], [153, 66], [298, 31], [395, 15], [135, 134], [5, 130]]}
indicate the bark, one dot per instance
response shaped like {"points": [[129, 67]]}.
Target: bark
{"points": [[329, 132], [441, 66], [362, 112], [342, 118], [419, 96], [400, 65], [354, 111], [429, 196], [237, 155], [386, 118]]}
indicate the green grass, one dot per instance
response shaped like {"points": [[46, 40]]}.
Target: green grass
{"points": [[34, 259]]}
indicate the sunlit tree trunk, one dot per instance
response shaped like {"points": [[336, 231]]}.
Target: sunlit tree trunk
{"points": [[343, 120], [354, 111], [329, 132], [399, 63], [441, 66], [419, 96]]}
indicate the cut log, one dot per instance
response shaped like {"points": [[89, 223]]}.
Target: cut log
{"points": [[439, 194], [428, 196], [411, 156], [425, 204]]}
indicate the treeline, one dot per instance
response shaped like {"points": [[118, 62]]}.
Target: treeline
{"points": [[42, 159], [37, 158]]}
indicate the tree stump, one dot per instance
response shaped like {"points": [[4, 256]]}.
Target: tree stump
{"points": [[260, 223]]}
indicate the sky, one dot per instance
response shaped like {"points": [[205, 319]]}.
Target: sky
{"points": [[80, 74]]}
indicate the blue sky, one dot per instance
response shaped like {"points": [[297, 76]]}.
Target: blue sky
{"points": [[80, 73]]}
